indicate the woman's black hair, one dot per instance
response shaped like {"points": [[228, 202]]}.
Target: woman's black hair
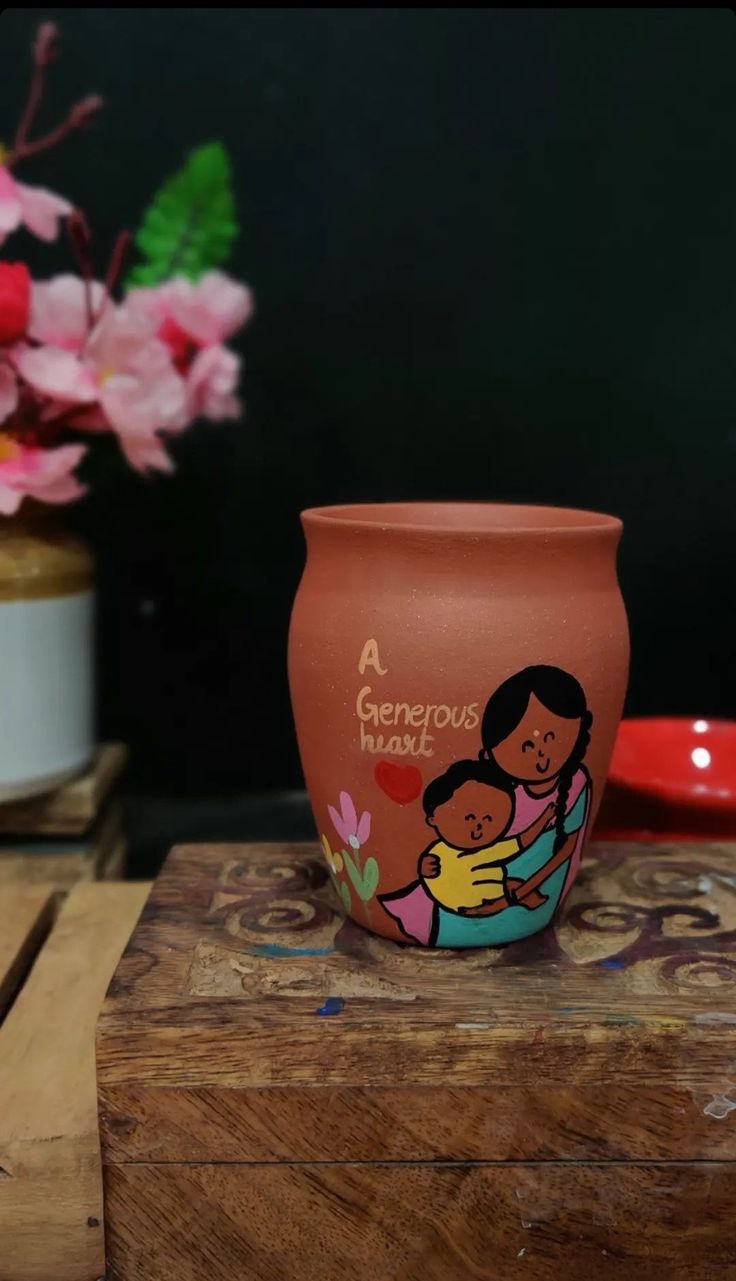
{"points": [[480, 771], [562, 695]]}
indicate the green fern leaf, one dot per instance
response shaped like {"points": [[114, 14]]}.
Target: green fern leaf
{"points": [[190, 226]]}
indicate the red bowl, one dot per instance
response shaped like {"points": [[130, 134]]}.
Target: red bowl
{"points": [[690, 764]]}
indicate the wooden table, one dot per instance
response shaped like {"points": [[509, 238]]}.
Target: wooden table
{"points": [[284, 1096], [55, 964]]}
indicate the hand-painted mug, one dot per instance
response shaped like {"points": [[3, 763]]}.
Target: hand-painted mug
{"points": [[457, 675]]}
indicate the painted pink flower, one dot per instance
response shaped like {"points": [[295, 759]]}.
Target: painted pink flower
{"points": [[45, 474], [38, 209], [59, 311], [8, 392], [349, 827]]}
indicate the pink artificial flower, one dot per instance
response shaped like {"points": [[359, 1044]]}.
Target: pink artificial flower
{"points": [[194, 319], [8, 392], [212, 309], [211, 381], [353, 831], [139, 390], [207, 311], [38, 209], [58, 374], [59, 311], [45, 474], [123, 378]]}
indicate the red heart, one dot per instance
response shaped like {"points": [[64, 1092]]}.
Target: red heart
{"points": [[401, 783]]}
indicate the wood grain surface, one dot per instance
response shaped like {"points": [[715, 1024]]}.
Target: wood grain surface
{"points": [[51, 1218], [25, 918], [523, 1222], [71, 809], [632, 995], [63, 862], [268, 1070]]}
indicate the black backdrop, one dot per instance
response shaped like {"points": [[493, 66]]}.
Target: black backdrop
{"points": [[494, 258]]}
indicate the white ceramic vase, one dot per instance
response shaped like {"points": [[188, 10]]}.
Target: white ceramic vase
{"points": [[46, 654]]}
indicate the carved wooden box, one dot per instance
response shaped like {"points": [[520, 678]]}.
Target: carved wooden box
{"points": [[284, 1097]]}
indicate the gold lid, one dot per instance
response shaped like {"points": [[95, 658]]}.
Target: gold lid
{"points": [[39, 558]]}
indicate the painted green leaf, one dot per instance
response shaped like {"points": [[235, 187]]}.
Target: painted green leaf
{"points": [[370, 879], [345, 896], [190, 226], [353, 872]]}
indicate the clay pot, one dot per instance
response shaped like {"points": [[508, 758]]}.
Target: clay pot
{"points": [[457, 676]]}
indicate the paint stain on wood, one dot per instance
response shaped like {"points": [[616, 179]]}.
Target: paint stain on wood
{"points": [[333, 1005]]}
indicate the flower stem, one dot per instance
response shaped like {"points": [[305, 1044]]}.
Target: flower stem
{"points": [[115, 266], [79, 115], [81, 240], [45, 49]]}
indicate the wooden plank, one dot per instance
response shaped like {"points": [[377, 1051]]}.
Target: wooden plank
{"points": [[112, 868], [25, 916], [50, 1192], [610, 1034], [71, 809], [63, 862], [613, 1121], [458, 1222]]}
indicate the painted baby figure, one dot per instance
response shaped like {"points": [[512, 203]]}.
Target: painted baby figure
{"points": [[470, 807], [534, 735]]}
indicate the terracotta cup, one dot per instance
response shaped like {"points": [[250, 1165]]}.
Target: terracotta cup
{"points": [[457, 676]]}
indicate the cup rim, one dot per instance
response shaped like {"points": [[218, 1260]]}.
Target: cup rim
{"points": [[474, 519]]}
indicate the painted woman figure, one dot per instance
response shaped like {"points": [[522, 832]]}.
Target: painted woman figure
{"points": [[536, 729]]}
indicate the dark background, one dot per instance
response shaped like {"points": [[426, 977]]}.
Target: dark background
{"points": [[494, 256]]}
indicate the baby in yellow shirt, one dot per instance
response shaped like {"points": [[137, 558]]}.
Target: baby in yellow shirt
{"points": [[470, 807]]}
